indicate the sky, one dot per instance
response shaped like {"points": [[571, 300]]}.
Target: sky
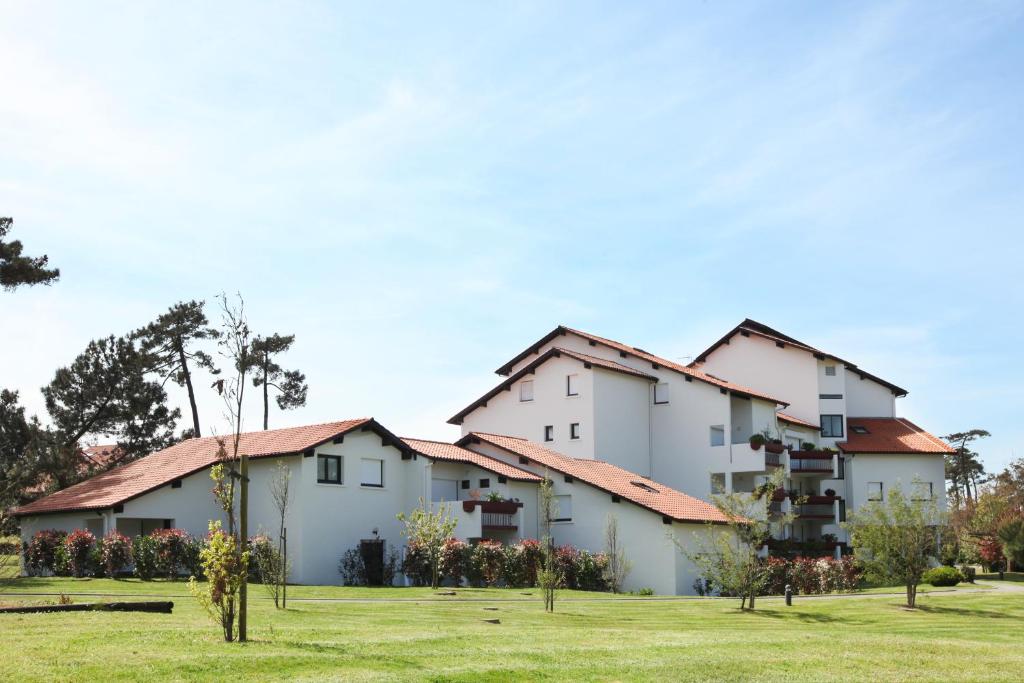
{"points": [[418, 191]]}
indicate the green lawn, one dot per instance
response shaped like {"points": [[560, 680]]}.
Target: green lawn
{"points": [[967, 635], [1008, 576]]}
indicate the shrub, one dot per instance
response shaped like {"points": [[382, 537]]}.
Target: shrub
{"points": [[777, 570], [263, 559], [531, 560], [115, 553], [192, 556], [590, 571], [41, 551], [803, 576], [808, 446], [416, 565], [79, 545], [61, 562], [170, 550], [567, 562], [351, 568], [968, 572], [453, 560], [487, 559], [512, 569], [96, 560], [942, 576], [144, 557]]}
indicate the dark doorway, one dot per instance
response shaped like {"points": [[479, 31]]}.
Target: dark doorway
{"points": [[373, 559]]}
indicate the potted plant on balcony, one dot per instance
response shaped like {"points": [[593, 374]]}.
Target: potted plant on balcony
{"points": [[808, 446], [495, 497], [831, 493], [756, 441]]}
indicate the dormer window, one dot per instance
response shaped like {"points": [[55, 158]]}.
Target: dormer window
{"points": [[526, 390], [857, 429]]}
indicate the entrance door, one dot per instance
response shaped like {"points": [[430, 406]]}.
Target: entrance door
{"points": [[373, 559]]}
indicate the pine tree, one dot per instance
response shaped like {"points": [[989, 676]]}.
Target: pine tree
{"points": [[290, 384], [105, 392], [169, 342], [17, 270], [964, 468]]}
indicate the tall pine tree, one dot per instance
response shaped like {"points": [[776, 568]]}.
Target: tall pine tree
{"points": [[267, 373], [17, 270], [169, 344]]}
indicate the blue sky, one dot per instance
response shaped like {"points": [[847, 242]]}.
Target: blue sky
{"points": [[419, 193]]}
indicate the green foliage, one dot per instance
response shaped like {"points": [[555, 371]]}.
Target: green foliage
{"points": [[17, 269], [354, 571], [225, 567], [429, 530], [144, 557], [79, 546], [1011, 536], [487, 559], [942, 576], [895, 539], [267, 373], [41, 551], [617, 566], [115, 554]]}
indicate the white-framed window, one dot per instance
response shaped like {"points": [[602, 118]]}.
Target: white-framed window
{"points": [[329, 469], [830, 371], [660, 393], [549, 432], [874, 490], [923, 490], [717, 435], [563, 508], [526, 390], [574, 430], [572, 385], [371, 472], [832, 425]]}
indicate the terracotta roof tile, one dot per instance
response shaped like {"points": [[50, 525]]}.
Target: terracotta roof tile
{"points": [[610, 478], [141, 476], [439, 450], [783, 417], [889, 435]]}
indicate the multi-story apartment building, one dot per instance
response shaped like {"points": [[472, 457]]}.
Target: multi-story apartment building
{"points": [[839, 441]]}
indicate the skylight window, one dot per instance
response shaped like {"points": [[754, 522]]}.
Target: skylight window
{"points": [[857, 429], [645, 487]]}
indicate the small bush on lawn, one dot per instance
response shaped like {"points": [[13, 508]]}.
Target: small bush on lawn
{"points": [[487, 561], [191, 556], [513, 569], [41, 551], [144, 557], [170, 550], [416, 565], [351, 568], [590, 571], [942, 576], [453, 561], [262, 557], [115, 554], [567, 561], [79, 545]]}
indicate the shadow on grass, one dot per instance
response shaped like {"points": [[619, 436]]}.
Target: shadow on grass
{"points": [[963, 612], [806, 617]]}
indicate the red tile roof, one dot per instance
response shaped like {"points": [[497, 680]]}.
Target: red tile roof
{"points": [[609, 478], [748, 327], [783, 417], [587, 360], [439, 450], [890, 435], [644, 355], [192, 455]]}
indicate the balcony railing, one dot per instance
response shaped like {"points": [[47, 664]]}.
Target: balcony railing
{"points": [[495, 514], [497, 520], [814, 548], [810, 461]]}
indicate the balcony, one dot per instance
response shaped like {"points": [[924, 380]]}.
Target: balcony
{"points": [[789, 547], [495, 514], [815, 507], [811, 462]]}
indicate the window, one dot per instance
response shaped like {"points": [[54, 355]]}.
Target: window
{"points": [[832, 425], [718, 483], [563, 508], [857, 429], [526, 390], [922, 490], [572, 385], [830, 396], [464, 484], [485, 483], [660, 393], [328, 469], [372, 472], [874, 490], [574, 430], [444, 489], [830, 371], [549, 432], [717, 435]]}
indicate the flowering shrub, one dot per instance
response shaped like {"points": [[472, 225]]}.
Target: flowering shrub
{"points": [[191, 556], [261, 555], [115, 553], [416, 564], [530, 549], [40, 552], [991, 551], [567, 559], [487, 560], [79, 545], [811, 575], [170, 550], [590, 568], [453, 560], [513, 568], [144, 557]]}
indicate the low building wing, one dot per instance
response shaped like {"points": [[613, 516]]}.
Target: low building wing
{"points": [[439, 450], [609, 478], [889, 435]]}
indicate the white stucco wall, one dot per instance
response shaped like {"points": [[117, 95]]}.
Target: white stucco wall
{"points": [[893, 469], [867, 398], [622, 420]]}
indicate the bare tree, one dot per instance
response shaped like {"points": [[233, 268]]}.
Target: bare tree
{"points": [[618, 566], [280, 494], [547, 574]]}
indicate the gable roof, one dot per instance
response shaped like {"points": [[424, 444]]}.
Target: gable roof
{"points": [[440, 450], [784, 417], [749, 327], [890, 435], [626, 350], [609, 478], [124, 483], [554, 352]]}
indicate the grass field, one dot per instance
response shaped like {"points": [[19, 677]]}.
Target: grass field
{"points": [[967, 635]]}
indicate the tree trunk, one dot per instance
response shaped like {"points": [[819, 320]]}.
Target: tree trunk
{"points": [[912, 594], [266, 397], [188, 385], [243, 533]]}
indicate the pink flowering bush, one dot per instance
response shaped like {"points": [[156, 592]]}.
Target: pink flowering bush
{"points": [[487, 560], [170, 551], [567, 559], [79, 545], [41, 551], [115, 553], [453, 560]]}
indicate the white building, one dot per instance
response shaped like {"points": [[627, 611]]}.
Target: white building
{"points": [[690, 426]]}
